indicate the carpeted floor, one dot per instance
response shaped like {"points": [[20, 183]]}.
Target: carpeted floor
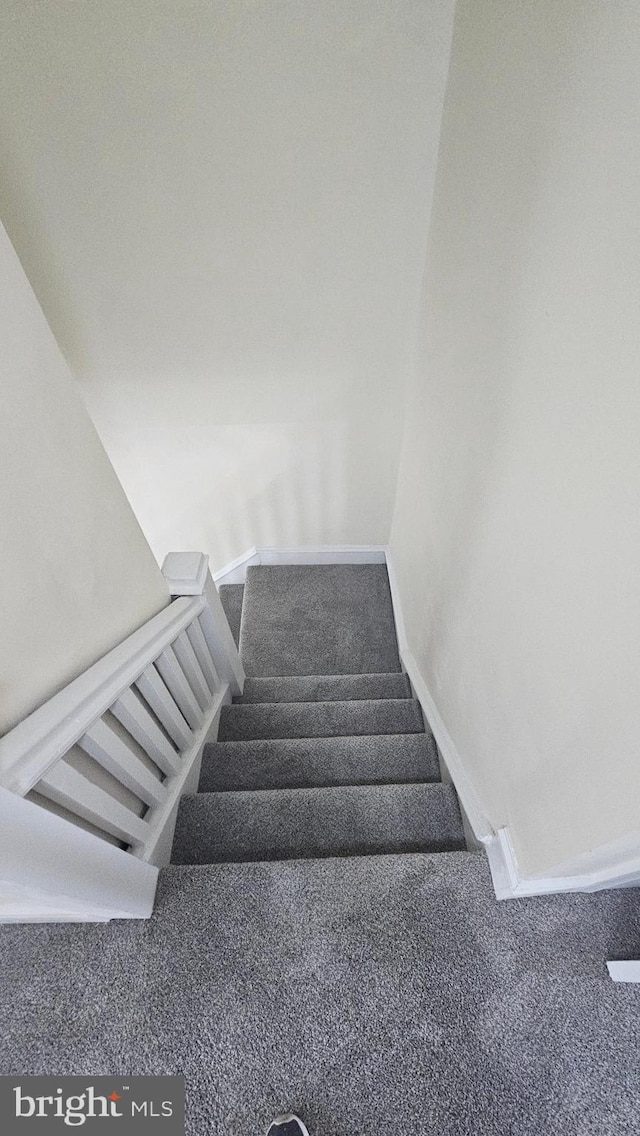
{"points": [[380, 996]]}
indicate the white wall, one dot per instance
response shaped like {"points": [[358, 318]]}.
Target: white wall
{"points": [[77, 574], [223, 209], [517, 531]]}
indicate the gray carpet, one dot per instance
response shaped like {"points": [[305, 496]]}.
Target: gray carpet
{"points": [[319, 719], [388, 996], [231, 598], [304, 763], [312, 620], [325, 688], [378, 995], [280, 824]]}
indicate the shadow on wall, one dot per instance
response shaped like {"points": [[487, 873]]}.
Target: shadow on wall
{"points": [[223, 487], [299, 488]]}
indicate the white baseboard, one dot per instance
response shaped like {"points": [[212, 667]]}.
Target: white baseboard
{"points": [[469, 799], [624, 970], [325, 554], [401, 631], [609, 866], [236, 571]]}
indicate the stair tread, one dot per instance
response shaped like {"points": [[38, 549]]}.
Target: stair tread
{"points": [[320, 719], [325, 688], [280, 824], [317, 762]]}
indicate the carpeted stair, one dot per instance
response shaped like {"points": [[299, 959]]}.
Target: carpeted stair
{"points": [[325, 688], [314, 763], [320, 719], [281, 824], [305, 763]]}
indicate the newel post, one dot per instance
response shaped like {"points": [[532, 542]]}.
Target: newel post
{"points": [[187, 574]]}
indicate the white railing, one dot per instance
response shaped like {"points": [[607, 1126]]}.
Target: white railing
{"points": [[91, 781]]}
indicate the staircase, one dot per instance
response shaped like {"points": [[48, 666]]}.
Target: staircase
{"points": [[311, 763], [321, 942]]}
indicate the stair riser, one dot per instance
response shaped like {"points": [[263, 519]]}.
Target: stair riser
{"points": [[320, 720], [325, 688], [267, 852], [306, 823]]}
